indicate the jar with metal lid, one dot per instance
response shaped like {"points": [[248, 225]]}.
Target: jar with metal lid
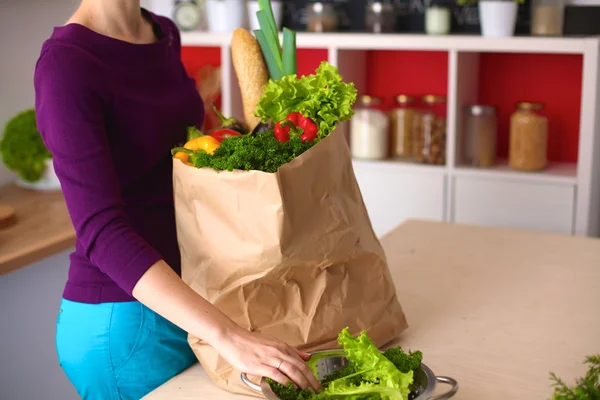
{"points": [[429, 145], [369, 136], [402, 123], [528, 138], [322, 17], [380, 17], [480, 136]]}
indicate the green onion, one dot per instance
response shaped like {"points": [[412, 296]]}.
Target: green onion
{"points": [[274, 70], [290, 65]]}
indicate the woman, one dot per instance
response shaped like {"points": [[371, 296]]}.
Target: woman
{"points": [[112, 98]]}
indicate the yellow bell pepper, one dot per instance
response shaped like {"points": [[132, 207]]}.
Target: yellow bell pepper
{"points": [[184, 157], [207, 143]]}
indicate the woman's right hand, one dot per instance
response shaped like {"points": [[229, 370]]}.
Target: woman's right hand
{"points": [[257, 354]]}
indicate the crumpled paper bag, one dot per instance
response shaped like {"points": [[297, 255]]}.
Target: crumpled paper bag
{"points": [[290, 254]]}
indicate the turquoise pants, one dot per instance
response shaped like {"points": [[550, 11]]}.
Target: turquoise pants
{"points": [[115, 351]]}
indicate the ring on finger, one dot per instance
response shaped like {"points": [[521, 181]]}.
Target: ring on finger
{"points": [[279, 365]]}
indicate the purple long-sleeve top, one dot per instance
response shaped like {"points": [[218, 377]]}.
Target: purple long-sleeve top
{"points": [[109, 112]]}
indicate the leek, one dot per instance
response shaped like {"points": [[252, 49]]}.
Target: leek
{"points": [[265, 6], [274, 70], [280, 62], [271, 37], [290, 65]]}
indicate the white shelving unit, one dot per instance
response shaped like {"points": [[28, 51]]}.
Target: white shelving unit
{"points": [[563, 199]]}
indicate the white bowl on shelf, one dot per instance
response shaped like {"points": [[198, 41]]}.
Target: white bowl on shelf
{"points": [[48, 181]]}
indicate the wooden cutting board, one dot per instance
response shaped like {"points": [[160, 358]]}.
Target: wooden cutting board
{"points": [[7, 216]]}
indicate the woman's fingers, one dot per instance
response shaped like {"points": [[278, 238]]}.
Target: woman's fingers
{"points": [[275, 374], [297, 369], [291, 370], [303, 355]]}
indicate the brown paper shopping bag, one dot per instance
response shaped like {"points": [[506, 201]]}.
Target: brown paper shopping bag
{"points": [[290, 254]]}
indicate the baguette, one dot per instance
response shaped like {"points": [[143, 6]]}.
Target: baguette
{"points": [[251, 71]]}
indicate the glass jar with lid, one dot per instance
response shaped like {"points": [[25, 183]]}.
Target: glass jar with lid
{"points": [[547, 17], [402, 123], [369, 136], [322, 17], [429, 143], [380, 17], [528, 138], [480, 136]]}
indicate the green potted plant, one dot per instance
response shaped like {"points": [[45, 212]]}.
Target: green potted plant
{"points": [[24, 152], [498, 18]]}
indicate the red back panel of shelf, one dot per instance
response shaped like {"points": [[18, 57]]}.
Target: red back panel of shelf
{"points": [[309, 60], [417, 73]]}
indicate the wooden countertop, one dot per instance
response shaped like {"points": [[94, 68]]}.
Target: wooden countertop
{"points": [[496, 309], [43, 227]]}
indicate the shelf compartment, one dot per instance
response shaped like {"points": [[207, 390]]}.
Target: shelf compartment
{"points": [[527, 205], [556, 173], [501, 80], [393, 195]]}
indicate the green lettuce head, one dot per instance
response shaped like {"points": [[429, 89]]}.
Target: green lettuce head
{"points": [[322, 96]]}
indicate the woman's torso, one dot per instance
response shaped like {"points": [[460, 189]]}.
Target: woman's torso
{"points": [[148, 102]]}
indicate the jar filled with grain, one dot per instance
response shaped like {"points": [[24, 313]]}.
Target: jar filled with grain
{"points": [[429, 143], [480, 135], [402, 123], [369, 130], [528, 138]]}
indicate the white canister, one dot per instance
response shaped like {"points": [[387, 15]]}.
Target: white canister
{"points": [[369, 131], [437, 20], [253, 8], [498, 18], [225, 15]]}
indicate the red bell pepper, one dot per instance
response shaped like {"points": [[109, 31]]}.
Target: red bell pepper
{"points": [[282, 130], [310, 129], [295, 118]]}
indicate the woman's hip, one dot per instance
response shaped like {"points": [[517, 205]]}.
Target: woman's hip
{"points": [[118, 350]]}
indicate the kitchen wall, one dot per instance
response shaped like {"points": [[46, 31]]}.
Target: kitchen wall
{"points": [[29, 297], [24, 25], [29, 301]]}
